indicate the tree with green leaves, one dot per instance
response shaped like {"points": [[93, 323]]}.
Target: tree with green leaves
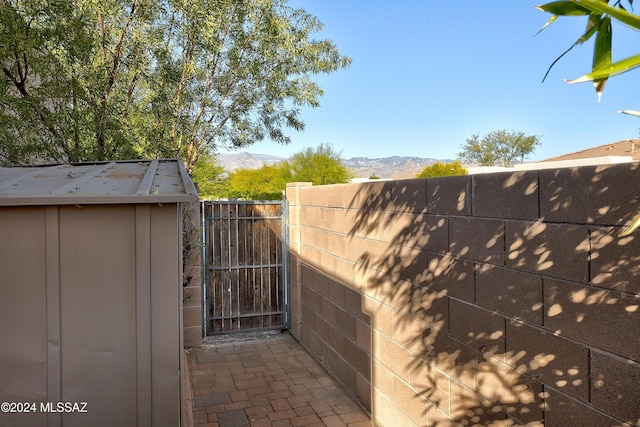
{"points": [[266, 183], [84, 80], [443, 169], [210, 177], [498, 148], [321, 165]]}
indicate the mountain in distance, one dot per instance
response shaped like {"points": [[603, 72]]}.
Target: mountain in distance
{"points": [[244, 160], [363, 167]]}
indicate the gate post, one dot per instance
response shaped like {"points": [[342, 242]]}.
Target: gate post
{"points": [[286, 294]]}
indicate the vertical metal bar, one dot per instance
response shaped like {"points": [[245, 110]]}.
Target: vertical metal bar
{"points": [[229, 283], [267, 227], [236, 274], [284, 224], [204, 267], [253, 257]]}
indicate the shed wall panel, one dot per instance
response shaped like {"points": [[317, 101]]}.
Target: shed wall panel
{"points": [[98, 321], [23, 323], [166, 312]]}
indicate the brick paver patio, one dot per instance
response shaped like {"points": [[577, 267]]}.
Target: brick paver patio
{"points": [[266, 379]]}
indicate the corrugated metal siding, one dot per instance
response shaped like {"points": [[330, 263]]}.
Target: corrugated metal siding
{"points": [[135, 181]]}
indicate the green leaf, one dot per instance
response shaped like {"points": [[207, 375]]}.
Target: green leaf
{"points": [[614, 69], [635, 222], [619, 14], [564, 8], [602, 53], [592, 27], [549, 22]]}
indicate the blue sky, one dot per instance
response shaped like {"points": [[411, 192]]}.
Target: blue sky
{"points": [[427, 75]]}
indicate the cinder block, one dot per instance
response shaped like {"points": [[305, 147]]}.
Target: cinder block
{"points": [[328, 218], [307, 196], [451, 275], [408, 333], [337, 294], [394, 357], [432, 234], [328, 312], [399, 227], [479, 328], [450, 356], [509, 392], [346, 374], [192, 316], [382, 319], [374, 196], [512, 293], [312, 341], [363, 391], [311, 300], [555, 250], [358, 358], [614, 386], [511, 195], [192, 296], [193, 336], [477, 239], [348, 193], [432, 384], [615, 261], [549, 359], [410, 195], [345, 273], [604, 319], [382, 378], [320, 239], [336, 244], [334, 195], [309, 215], [449, 195], [561, 410], [328, 334], [363, 334], [346, 324], [307, 235], [430, 309], [386, 411], [590, 194], [412, 404], [407, 264], [330, 357], [465, 404], [353, 302]]}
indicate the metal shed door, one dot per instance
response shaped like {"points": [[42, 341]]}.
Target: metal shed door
{"points": [[246, 265]]}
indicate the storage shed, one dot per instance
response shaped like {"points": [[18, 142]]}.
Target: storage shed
{"points": [[91, 293]]}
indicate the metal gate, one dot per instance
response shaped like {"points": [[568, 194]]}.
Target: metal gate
{"points": [[246, 265]]}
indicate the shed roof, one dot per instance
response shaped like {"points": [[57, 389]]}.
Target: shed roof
{"points": [[117, 182]]}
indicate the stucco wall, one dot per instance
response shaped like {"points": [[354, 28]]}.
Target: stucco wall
{"points": [[476, 299]]}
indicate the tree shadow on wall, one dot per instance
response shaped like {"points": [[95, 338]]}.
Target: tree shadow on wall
{"points": [[502, 299]]}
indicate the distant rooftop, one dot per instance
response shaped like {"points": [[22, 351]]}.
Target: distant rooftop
{"points": [[626, 148], [132, 181]]}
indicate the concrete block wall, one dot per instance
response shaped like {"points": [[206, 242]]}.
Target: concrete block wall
{"points": [[498, 299], [192, 276]]}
